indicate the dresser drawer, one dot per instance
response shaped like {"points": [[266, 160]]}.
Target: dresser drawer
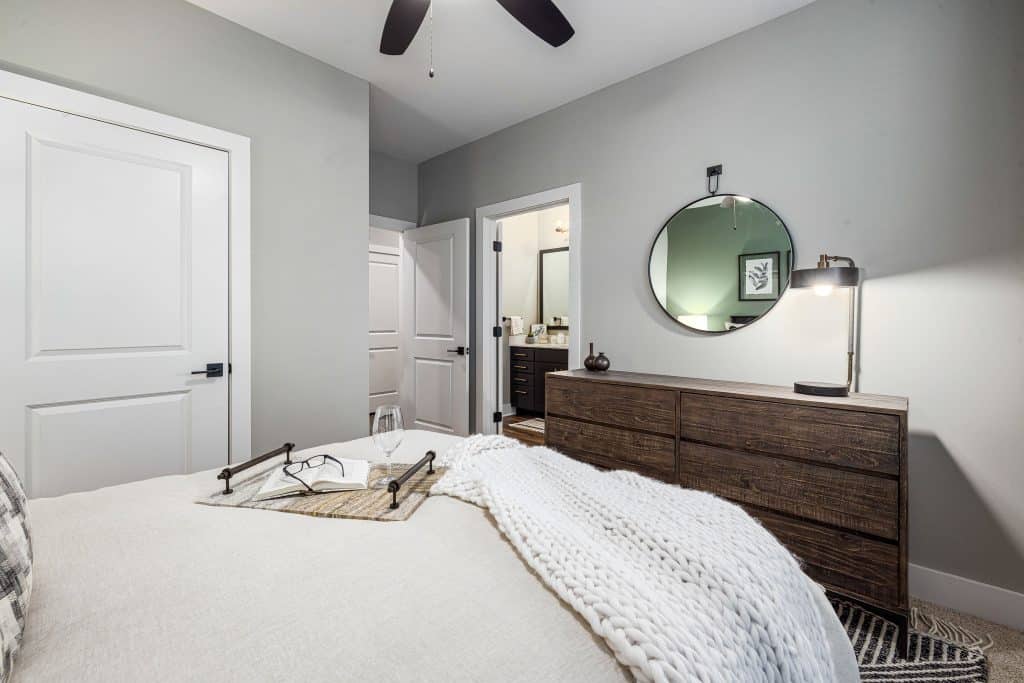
{"points": [[519, 353], [860, 440], [843, 561], [611, 447], [522, 397], [521, 379], [849, 500], [652, 410], [516, 365]]}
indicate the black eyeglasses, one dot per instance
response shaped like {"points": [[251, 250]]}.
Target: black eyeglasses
{"points": [[295, 468]]}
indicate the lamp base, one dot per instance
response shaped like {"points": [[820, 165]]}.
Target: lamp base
{"points": [[821, 389]]}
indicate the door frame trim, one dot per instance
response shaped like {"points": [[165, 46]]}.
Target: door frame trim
{"points": [[393, 224], [487, 218], [59, 98]]}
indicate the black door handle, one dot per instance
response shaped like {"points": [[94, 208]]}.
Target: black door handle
{"points": [[212, 370], [462, 350]]}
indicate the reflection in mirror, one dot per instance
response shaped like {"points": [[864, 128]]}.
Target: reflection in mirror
{"points": [[720, 263], [554, 287]]}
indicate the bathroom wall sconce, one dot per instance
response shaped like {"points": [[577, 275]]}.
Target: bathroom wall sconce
{"points": [[823, 279]]}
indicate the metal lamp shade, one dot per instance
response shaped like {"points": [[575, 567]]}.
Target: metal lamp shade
{"points": [[828, 277], [835, 276]]}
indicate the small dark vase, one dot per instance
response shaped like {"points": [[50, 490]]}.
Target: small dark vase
{"points": [[588, 362], [601, 363]]}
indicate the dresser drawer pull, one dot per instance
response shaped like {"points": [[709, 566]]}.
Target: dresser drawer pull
{"points": [[520, 355], [522, 392], [520, 367], [520, 379]]}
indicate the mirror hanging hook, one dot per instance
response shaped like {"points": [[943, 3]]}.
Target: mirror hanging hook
{"points": [[716, 173]]}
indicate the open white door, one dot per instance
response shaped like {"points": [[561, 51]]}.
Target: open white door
{"points": [[385, 312], [113, 291], [435, 327]]}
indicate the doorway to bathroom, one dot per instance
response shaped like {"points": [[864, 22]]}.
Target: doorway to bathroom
{"points": [[528, 307]]}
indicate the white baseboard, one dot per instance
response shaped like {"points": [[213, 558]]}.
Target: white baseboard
{"points": [[507, 409], [968, 596]]}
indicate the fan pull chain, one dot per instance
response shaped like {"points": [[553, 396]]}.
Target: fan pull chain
{"points": [[431, 27]]}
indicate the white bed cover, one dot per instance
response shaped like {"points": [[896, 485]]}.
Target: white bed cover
{"points": [[138, 583]]}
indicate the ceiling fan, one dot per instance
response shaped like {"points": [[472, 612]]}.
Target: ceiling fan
{"points": [[541, 17]]}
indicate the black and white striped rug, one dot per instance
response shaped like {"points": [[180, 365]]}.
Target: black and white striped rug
{"points": [[930, 659]]}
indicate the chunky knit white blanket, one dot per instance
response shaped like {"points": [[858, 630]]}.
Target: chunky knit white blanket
{"points": [[680, 584]]}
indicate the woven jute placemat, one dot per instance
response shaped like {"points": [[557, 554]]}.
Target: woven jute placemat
{"points": [[372, 504]]}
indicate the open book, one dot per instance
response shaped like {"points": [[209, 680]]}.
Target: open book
{"points": [[327, 477]]}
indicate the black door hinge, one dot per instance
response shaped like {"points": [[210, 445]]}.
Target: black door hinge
{"points": [[497, 416], [497, 245], [496, 331]]}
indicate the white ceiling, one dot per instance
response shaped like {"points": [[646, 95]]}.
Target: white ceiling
{"points": [[491, 72]]}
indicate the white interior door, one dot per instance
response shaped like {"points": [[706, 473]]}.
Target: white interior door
{"points": [[113, 289], [385, 358], [435, 327]]}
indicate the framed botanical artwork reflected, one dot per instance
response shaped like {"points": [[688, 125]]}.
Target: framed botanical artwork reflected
{"points": [[759, 276]]}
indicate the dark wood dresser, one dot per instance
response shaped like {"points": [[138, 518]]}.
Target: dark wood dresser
{"points": [[528, 366], [827, 476]]}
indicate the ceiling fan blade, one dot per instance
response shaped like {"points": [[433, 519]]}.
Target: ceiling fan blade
{"points": [[404, 19], [543, 18]]}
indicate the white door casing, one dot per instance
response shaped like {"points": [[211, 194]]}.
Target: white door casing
{"points": [[114, 267], [435, 322], [385, 313], [489, 369]]}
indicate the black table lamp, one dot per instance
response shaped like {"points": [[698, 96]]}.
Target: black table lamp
{"points": [[823, 279]]}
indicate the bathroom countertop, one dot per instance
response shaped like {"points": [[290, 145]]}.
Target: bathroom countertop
{"points": [[524, 345]]}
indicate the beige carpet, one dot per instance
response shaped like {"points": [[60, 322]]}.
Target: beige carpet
{"points": [[1005, 657]]}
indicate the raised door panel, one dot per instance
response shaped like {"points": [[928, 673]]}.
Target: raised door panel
{"points": [[652, 410], [435, 387], [383, 241], [70, 449], [384, 309], [385, 366], [433, 289], [120, 280], [849, 500], [860, 440]]}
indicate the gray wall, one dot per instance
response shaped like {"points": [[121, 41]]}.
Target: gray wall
{"points": [[310, 181], [393, 187], [888, 131]]}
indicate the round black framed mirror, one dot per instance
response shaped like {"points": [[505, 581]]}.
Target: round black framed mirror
{"points": [[720, 263]]}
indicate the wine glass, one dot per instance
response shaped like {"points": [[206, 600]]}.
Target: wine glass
{"points": [[387, 435]]}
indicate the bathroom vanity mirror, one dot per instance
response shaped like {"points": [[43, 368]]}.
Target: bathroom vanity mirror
{"points": [[720, 263], [554, 288]]}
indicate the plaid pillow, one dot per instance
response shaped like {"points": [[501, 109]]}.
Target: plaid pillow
{"points": [[15, 565]]}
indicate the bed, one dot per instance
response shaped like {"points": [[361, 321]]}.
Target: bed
{"points": [[136, 582]]}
